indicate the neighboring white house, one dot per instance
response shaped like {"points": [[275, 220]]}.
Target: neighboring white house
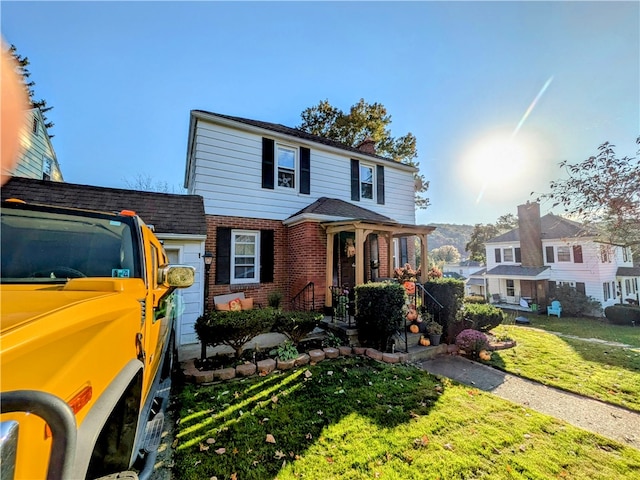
{"points": [[530, 261], [37, 157], [178, 222]]}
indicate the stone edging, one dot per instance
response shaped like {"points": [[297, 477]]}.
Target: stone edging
{"points": [[264, 367]]}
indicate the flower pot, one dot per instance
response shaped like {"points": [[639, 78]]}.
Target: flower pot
{"points": [[434, 338]]}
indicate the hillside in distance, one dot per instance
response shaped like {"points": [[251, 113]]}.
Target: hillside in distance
{"points": [[450, 234]]}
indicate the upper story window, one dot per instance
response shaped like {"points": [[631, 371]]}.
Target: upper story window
{"points": [[605, 253], [35, 125], [366, 182], [564, 254], [508, 254], [286, 158], [626, 254], [245, 260]]}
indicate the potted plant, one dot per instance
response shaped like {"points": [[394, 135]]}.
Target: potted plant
{"points": [[434, 329]]}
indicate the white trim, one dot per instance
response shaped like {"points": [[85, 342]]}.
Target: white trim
{"points": [[179, 236], [256, 257], [296, 168]]}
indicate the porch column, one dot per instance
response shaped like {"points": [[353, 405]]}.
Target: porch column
{"points": [[329, 270], [360, 238], [389, 238], [423, 257]]}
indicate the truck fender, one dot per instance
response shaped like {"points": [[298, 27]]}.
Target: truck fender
{"points": [[96, 418]]}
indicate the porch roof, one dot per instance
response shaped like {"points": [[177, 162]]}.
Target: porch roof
{"points": [[628, 272], [475, 281], [520, 272]]}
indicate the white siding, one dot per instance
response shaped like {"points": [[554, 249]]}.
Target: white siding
{"points": [[34, 148], [191, 299], [228, 174]]}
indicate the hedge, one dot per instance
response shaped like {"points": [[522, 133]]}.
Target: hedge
{"points": [[379, 313]]}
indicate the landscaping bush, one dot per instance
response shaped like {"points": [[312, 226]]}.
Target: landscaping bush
{"points": [[483, 317], [575, 303], [449, 293], [296, 325], [234, 328], [472, 342], [474, 299], [623, 314], [379, 313]]}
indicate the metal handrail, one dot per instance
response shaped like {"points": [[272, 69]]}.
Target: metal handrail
{"points": [[302, 298]]}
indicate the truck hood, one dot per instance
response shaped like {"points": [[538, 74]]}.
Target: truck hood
{"points": [[23, 304]]}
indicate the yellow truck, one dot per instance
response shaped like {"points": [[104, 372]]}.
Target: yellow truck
{"points": [[87, 342]]}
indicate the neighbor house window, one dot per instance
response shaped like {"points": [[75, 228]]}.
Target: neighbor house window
{"points": [[508, 254], [46, 168], [606, 291], [366, 182], [34, 126], [626, 254], [244, 256], [511, 288], [605, 253], [564, 254], [286, 158]]}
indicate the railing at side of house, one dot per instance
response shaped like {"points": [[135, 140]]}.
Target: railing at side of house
{"points": [[305, 299]]}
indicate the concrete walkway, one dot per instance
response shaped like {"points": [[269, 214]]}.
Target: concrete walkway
{"points": [[613, 422]]}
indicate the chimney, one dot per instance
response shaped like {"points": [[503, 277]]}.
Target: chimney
{"points": [[368, 145], [530, 234]]}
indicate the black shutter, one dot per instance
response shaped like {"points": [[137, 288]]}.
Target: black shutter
{"points": [[380, 182], [305, 170], [223, 255], [498, 255], [581, 288], [549, 251], [552, 288], [355, 180], [267, 163], [404, 254], [577, 254], [518, 255], [266, 256]]}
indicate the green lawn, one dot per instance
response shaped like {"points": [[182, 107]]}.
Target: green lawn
{"points": [[359, 419], [603, 372]]}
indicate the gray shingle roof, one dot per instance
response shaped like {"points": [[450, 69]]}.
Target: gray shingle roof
{"points": [[168, 213], [628, 272], [339, 208], [553, 227], [295, 132], [516, 271]]}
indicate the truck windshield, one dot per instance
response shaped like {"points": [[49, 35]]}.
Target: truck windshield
{"points": [[49, 245]]}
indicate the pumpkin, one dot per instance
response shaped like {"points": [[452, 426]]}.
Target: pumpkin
{"points": [[412, 315], [424, 341], [414, 328], [484, 355], [410, 287]]}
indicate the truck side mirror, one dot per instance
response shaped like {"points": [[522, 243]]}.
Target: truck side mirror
{"points": [[176, 276]]}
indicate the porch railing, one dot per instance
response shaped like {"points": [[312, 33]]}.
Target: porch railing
{"points": [[305, 299]]}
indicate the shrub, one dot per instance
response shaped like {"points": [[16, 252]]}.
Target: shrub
{"points": [[449, 293], [274, 299], [474, 299], [483, 317], [472, 342], [234, 328], [286, 351], [623, 314], [296, 325], [575, 303], [379, 313]]}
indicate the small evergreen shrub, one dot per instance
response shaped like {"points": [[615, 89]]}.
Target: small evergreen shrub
{"points": [[296, 325], [449, 293], [623, 314], [483, 317], [472, 342], [379, 313], [234, 328], [274, 299], [575, 303], [474, 299]]}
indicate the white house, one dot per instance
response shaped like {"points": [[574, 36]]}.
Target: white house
{"points": [[530, 261], [37, 157]]}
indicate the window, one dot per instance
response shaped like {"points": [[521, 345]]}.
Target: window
{"points": [[46, 168], [511, 288], [605, 253], [626, 254], [564, 254], [581, 287], [628, 286], [366, 182], [508, 254], [34, 127], [606, 291], [286, 157], [549, 253], [244, 256], [498, 257], [577, 254]]}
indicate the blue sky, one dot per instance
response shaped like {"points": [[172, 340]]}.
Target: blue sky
{"points": [[122, 78]]}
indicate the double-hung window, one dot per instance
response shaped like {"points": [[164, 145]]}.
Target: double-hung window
{"points": [[286, 158], [564, 254], [366, 182], [508, 254], [245, 248]]}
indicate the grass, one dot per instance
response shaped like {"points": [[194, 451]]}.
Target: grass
{"points": [[355, 418], [603, 372], [597, 328]]}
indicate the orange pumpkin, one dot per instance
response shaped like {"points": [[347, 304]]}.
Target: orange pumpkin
{"points": [[424, 341], [410, 287], [414, 328], [484, 355]]}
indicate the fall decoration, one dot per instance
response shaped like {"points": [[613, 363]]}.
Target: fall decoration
{"points": [[414, 328], [424, 341], [484, 355]]}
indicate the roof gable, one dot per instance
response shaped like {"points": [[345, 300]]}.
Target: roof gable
{"points": [[553, 227], [333, 207], [168, 213]]}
